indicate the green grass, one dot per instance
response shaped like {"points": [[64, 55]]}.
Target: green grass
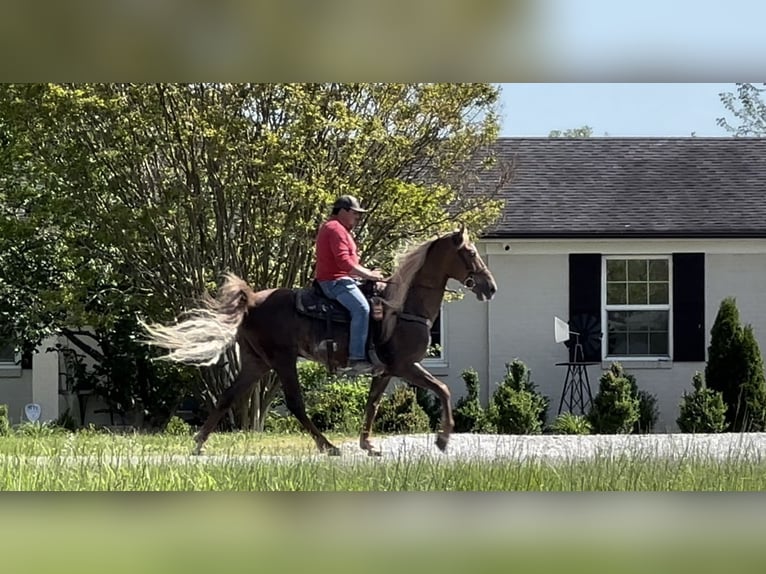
{"points": [[89, 461]]}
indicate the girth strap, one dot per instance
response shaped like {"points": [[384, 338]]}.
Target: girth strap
{"points": [[415, 318]]}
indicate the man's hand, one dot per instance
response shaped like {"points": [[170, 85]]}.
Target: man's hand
{"points": [[375, 275]]}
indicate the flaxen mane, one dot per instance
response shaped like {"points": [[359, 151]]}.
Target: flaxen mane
{"points": [[407, 266]]}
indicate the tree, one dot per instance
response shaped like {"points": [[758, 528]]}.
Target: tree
{"points": [[735, 369], [723, 371], [169, 186], [748, 107], [581, 132]]}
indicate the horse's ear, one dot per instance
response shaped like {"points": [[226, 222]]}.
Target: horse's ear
{"points": [[459, 236]]}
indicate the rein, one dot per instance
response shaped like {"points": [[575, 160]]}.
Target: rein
{"points": [[447, 289]]}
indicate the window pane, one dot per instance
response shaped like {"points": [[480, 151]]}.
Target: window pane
{"points": [[637, 294], [435, 347], [658, 343], [637, 270], [7, 353], [637, 333], [658, 294], [638, 343], [616, 293], [658, 270], [618, 344], [616, 270]]}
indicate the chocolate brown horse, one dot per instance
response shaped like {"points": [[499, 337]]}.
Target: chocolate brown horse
{"points": [[272, 334]]}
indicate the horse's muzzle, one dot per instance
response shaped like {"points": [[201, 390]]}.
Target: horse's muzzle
{"points": [[484, 287]]}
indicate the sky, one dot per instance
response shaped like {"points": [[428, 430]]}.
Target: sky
{"points": [[656, 41], [660, 40], [621, 110]]}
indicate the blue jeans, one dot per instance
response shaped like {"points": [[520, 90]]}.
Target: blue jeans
{"points": [[347, 293]]}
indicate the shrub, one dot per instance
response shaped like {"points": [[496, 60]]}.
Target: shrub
{"points": [[752, 415], [5, 424], [517, 407], [723, 372], [400, 412], [38, 430], [735, 369], [432, 406], [468, 413], [339, 405], [568, 423], [648, 412], [67, 421], [703, 410], [615, 408], [176, 426]]}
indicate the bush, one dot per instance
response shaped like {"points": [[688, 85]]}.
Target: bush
{"points": [[176, 426], [723, 372], [648, 412], [468, 413], [67, 421], [615, 408], [735, 369], [568, 423], [752, 417], [400, 412], [5, 424], [432, 406], [339, 405], [517, 407], [39, 430], [703, 410]]}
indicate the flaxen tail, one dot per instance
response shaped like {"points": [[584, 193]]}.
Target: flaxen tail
{"points": [[204, 334]]}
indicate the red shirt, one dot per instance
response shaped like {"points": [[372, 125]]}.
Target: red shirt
{"points": [[335, 251]]}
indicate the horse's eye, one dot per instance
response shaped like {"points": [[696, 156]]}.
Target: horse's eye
{"points": [[472, 252]]}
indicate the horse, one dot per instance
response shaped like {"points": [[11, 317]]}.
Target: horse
{"points": [[272, 333]]}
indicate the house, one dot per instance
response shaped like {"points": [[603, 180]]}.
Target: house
{"points": [[634, 242]]}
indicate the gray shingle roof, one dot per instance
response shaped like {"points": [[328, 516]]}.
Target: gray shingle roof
{"points": [[632, 187]]}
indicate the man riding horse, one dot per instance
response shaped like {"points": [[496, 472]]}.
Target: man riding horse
{"points": [[337, 266]]}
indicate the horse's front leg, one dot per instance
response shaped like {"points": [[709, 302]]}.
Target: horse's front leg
{"points": [[418, 376], [377, 386]]}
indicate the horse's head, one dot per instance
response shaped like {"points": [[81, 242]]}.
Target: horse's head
{"points": [[469, 268]]}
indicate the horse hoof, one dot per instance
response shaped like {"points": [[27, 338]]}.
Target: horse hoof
{"points": [[441, 442], [333, 451]]}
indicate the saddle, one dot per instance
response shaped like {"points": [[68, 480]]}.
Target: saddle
{"points": [[312, 302]]}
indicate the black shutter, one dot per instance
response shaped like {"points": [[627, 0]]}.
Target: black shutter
{"points": [[585, 304], [688, 306]]}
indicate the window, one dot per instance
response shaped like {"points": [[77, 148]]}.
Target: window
{"points": [[436, 350], [7, 353], [637, 313], [649, 299]]}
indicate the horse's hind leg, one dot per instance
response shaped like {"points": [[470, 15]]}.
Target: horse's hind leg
{"points": [[288, 374], [418, 376], [377, 387], [252, 370]]}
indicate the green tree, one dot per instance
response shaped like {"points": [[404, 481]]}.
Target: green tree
{"points": [[735, 369], [702, 410], [159, 189], [615, 407], [581, 132], [748, 108]]}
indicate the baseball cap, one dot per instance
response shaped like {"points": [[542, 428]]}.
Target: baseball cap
{"points": [[348, 202]]}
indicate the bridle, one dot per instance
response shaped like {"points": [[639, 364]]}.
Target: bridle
{"points": [[470, 281]]}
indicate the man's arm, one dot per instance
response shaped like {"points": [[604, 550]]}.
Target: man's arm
{"points": [[364, 273]]}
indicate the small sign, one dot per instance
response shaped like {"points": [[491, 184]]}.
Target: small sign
{"points": [[32, 412]]}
